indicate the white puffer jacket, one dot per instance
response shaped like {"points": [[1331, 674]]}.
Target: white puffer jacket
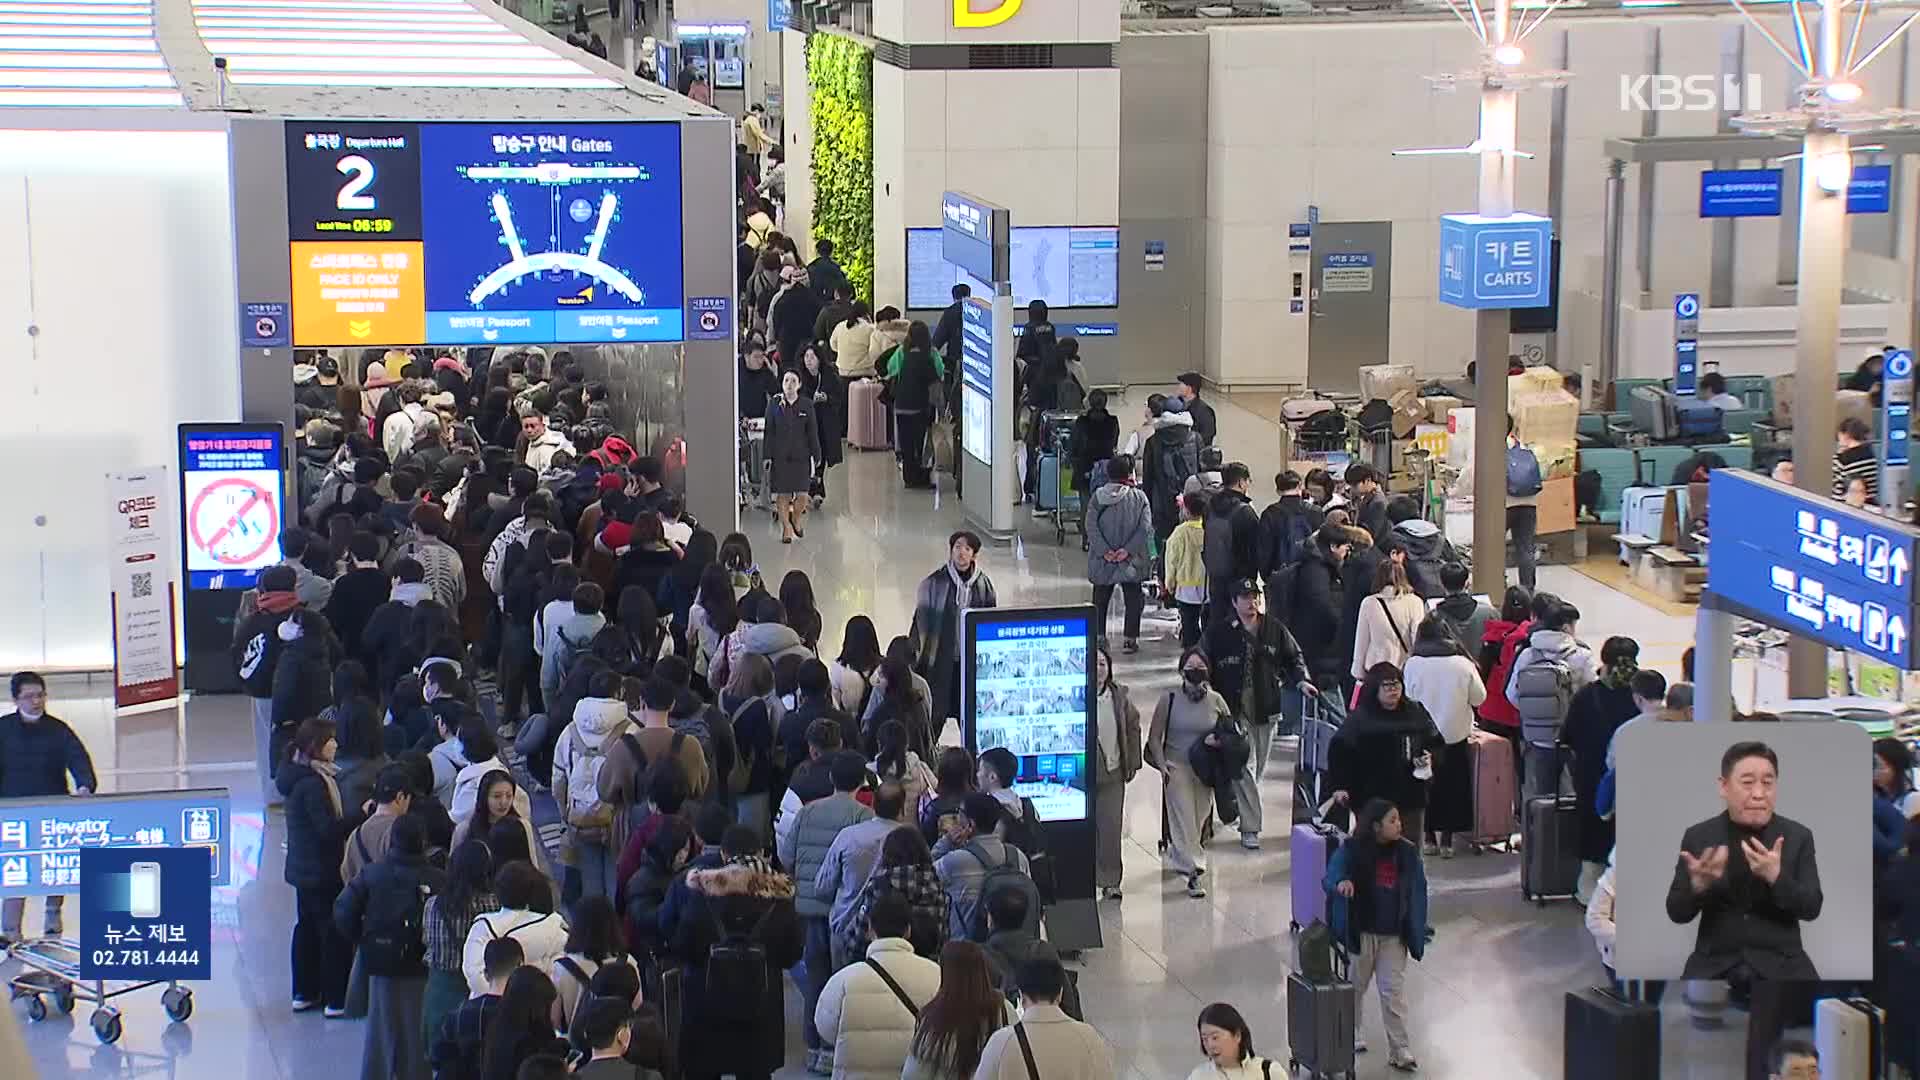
{"points": [[871, 1029], [596, 723]]}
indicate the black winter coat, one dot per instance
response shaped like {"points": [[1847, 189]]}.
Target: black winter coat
{"points": [[37, 756], [316, 836], [302, 680], [256, 652], [913, 390], [793, 445], [714, 1039], [1286, 530], [1596, 712], [1314, 616], [1096, 438], [376, 904], [357, 594], [1372, 757], [1233, 546], [1271, 658], [1356, 576]]}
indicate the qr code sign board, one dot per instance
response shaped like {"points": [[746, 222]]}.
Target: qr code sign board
{"points": [[143, 585]]}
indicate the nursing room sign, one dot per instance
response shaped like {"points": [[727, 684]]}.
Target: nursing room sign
{"points": [[232, 495], [1496, 262]]}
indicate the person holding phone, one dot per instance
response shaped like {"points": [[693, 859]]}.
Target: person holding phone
{"points": [[1385, 749], [38, 752]]}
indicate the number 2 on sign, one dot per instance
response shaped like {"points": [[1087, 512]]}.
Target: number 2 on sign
{"points": [[359, 173]]}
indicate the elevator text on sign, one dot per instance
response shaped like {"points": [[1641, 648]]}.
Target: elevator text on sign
{"points": [[1691, 93], [1488, 262], [966, 18]]}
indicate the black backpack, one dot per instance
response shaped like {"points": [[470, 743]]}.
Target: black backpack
{"points": [[392, 939], [1006, 875], [1179, 458], [737, 977], [1217, 545], [1279, 586]]}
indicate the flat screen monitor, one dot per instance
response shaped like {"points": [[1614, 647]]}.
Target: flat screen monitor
{"points": [[1068, 266], [1030, 692], [232, 502]]}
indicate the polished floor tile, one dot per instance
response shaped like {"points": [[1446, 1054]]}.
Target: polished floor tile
{"points": [[1486, 1001]]}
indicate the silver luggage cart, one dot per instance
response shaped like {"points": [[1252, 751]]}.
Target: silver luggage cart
{"points": [[753, 465], [51, 979]]}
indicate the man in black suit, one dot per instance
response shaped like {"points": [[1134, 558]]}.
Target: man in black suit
{"points": [[1749, 875]]}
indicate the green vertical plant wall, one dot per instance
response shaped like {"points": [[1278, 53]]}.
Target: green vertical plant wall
{"points": [[840, 75]]}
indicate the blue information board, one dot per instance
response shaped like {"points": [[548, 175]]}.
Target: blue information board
{"points": [[1740, 193], [966, 234], [1870, 191], [41, 837], [1813, 565], [541, 232], [976, 378], [1495, 263], [1686, 367]]}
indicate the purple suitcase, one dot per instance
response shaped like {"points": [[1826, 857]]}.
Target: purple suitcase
{"points": [[1309, 849]]}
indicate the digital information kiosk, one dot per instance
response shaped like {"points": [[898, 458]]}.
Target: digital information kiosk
{"points": [[975, 236], [233, 506], [1028, 678]]}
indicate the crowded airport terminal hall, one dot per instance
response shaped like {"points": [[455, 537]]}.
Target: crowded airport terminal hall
{"points": [[959, 539]]}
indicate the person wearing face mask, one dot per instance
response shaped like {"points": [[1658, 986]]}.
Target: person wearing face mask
{"points": [[1750, 876], [939, 616], [792, 449], [38, 751], [1185, 717]]}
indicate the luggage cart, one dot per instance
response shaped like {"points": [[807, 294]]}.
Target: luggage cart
{"points": [[52, 978], [753, 465], [1059, 500]]}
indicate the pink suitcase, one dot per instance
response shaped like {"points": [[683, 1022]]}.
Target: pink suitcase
{"points": [[1493, 787], [866, 416], [1308, 851]]}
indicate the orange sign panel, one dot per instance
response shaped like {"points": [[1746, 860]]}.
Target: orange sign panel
{"points": [[358, 292]]}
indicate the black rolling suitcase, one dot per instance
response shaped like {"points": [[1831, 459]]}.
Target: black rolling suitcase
{"points": [[1550, 852], [1610, 1037], [1320, 1026]]}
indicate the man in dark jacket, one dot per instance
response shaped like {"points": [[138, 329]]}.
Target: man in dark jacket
{"points": [[1255, 661], [1204, 421], [1369, 510], [1096, 438], [833, 312], [1426, 547], [825, 277], [463, 1032], [256, 657], [303, 672], [38, 751], [1287, 526], [1233, 538], [1465, 613], [358, 593], [937, 612], [381, 912], [1314, 608], [1168, 457], [947, 334]]}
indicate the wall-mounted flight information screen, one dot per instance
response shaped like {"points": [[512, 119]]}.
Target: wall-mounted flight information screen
{"points": [[453, 234]]}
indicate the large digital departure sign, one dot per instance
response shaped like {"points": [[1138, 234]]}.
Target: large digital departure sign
{"points": [[484, 233]]}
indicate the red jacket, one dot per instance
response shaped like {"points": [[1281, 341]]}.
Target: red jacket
{"points": [[1506, 640]]}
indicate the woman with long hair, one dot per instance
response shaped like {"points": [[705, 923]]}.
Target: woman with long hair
{"points": [[1117, 760], [803, 614], [1227, 1043], [895, 760], [318, 822], [1389, 619], [736, 556], [681, 587], [594, 937], [897, 704], [347, 400], [522, 1025], [820, 380], [953, 777], [852, 671], [638, 623], [448, 917], [1440, 676], [363, 750], [905, 868], [954, 1027], [648, 557], [747, 700], [714, 616], [493, 806]]}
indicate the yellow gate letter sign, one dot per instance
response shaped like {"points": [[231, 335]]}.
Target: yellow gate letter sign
{"points": [[965, 18]]}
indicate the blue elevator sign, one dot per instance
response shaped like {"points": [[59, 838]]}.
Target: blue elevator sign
{"points": [[1490, 262], [1809, 564]]}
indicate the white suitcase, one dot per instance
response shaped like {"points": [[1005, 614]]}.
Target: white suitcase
{"points": [[1847, 1032]]}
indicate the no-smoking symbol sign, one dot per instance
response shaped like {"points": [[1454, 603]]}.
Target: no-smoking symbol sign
{"points": [[234, 521], [710, 321], [266, 326]]}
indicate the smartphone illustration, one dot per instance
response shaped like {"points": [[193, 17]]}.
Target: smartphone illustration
{"points": [[144, 896]]}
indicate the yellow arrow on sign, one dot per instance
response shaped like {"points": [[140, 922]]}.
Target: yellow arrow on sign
{"points": [[360, 327], [965, 18]]}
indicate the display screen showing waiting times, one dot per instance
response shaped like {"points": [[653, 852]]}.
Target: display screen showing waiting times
{"points": [[1066, 266], [1030, 696], [452, 234]]}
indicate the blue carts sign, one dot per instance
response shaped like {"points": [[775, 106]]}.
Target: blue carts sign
{"points": [[1809, 564], [1496, 262]]}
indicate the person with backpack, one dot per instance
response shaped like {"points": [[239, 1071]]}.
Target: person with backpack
{"points": [[392, 797], [1546, 675], [1019, 822], [566, 634], [598, 722], [382, 913], [1465, 614], [594, 939], [460, 1036], [1443, 679], [976, 863], [1256, 663], [1045, 1043], [1287, 525], [1377, 911], [804, 849], [1524, 485], [1119, 529], [522, 891], [622, 781], [1232, 539], [1170, 454], [1227, 1042], [869, 1008], [738, 934], [850, 861], [1426, 550], [904, 869], [1309, 597], [1117, 759], [1385, 748], [483, 756]]}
